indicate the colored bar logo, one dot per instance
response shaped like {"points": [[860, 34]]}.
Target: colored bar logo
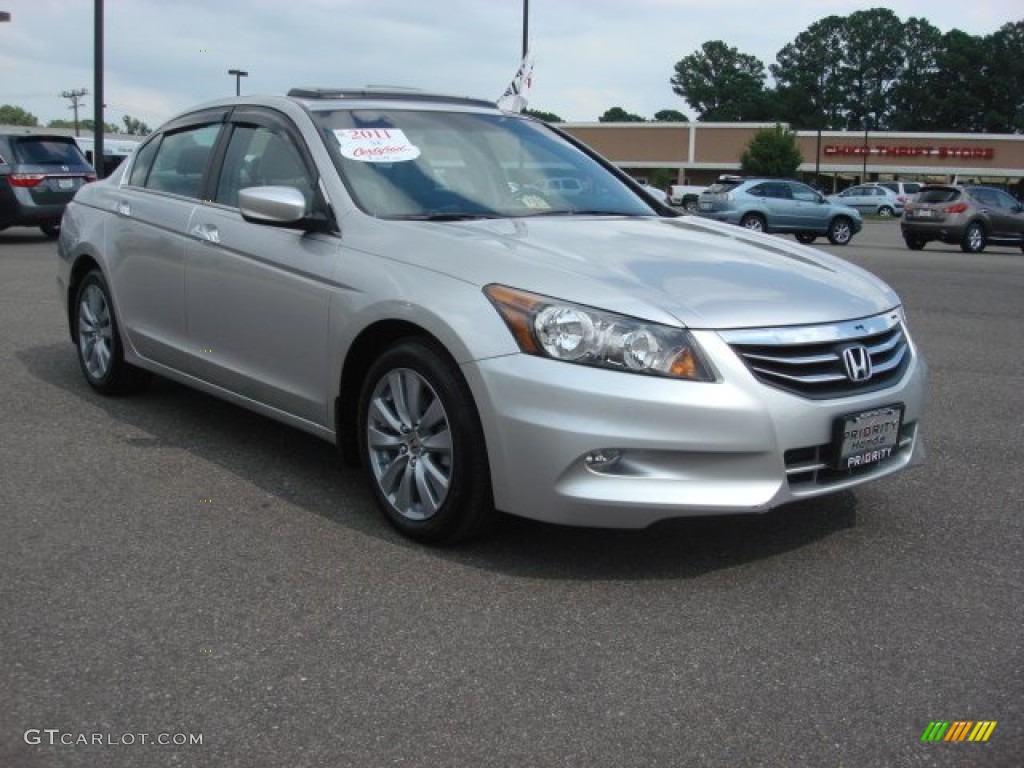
{"points": [[958, 730]]}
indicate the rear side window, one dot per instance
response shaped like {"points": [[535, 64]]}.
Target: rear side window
{"points": [[938, 195], [181, 160], [37, 150], [911, 187]]}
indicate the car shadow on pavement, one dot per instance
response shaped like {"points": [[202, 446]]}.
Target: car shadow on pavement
{"points": [[306, 472]]}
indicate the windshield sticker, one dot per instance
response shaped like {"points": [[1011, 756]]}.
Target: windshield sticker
{"points": [[534, 201], [376, 145]]}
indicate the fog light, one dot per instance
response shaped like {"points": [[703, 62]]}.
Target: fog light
{"points": [[602, 460]]}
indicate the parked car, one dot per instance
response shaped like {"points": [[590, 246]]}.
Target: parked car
{"points": [[474, 344], [658, 194], [905, 190], [39, 174], [870, 198], [779, 205], [685, 195], [968, 216]]}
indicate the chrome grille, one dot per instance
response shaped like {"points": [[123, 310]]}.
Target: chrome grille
{"points": [[808, 360]]}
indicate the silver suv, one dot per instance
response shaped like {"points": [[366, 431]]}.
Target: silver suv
{"points": [[382, 269], [779, 205]]}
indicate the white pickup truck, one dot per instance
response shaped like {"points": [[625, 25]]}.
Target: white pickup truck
{"points": [[685, 195]]}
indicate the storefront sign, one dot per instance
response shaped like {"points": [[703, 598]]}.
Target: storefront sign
{"points": [[960, 153]]}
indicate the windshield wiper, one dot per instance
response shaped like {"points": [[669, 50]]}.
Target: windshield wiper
{"points": [[582, 212], [448, 216]]}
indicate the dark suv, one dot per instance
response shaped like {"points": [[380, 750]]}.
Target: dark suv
{"points": [[39, 174], [971, 217]]}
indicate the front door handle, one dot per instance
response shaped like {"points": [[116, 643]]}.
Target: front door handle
{"points": [[206, 232]]}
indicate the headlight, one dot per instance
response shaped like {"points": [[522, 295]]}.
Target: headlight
{"points": [[574, 333]]}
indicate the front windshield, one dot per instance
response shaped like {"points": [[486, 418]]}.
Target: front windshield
{"points": [[452, 165]]}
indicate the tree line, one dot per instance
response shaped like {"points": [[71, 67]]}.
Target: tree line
{"points": [[868, 69], [12, 115]]}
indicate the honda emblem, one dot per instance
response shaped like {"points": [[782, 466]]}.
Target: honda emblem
{"points": [[857, 362]]}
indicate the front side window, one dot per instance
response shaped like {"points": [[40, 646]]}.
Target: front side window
{"points": [[181, 159], [259, 157], [435, 165]]}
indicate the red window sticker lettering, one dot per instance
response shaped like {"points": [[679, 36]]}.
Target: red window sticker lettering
{"points": [[376, 145]]}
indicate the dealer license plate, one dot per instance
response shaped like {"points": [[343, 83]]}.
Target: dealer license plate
{"points": [[868, 437]]}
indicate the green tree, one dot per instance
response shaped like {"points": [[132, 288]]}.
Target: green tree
{"points": [[871, 64], [772, 152], [1004, 78], [720, 83], [670, 116], [807, 72], [914, 95], [547, 117], [619, 115], [12, 115], [134, 127], [960, 78], [83, 125]]}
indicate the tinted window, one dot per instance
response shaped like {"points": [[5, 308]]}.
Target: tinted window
{"points": [[938, 195], [723, 187], [890, 185], [259, 157], [37, 150], [181, 160], [911, 187], [142, 163], [1006, 201]]}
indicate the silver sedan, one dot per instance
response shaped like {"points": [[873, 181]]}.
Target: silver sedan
{"points": [[391, 270]]}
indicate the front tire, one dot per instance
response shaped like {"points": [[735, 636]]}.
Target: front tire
{"points": [[974, 239], [754, 222], [422, 445], [840, 231], [98, 341]]}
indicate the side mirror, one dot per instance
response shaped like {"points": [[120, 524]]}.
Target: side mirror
{"points": [[280, 206]]}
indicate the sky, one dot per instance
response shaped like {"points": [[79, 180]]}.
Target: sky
{"points": [[165, 56]]}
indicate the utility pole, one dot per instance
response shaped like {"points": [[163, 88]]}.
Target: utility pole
{"points": [[75, 97]]}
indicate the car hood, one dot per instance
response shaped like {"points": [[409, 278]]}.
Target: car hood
{"points": [[698, 272]]}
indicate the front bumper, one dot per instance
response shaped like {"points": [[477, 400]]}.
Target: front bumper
{"points": [[583, 446]]}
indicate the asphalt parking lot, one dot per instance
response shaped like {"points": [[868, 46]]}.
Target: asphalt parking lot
{"points": [[176, 568]]}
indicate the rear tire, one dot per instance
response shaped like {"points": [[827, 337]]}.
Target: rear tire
{"points": [[840, 231], [974, 238], [914, 242], [754, 222], [51, 230], [98, 341], [886, 212], [422, 445]]}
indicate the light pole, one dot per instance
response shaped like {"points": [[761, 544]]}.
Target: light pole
{"points": [[239, 74]]}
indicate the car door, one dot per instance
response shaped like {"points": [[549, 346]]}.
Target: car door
{"points": [[809, 208], [257, 296], [857, 197], [1007, 216], [146, 237], [777, 203]]}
